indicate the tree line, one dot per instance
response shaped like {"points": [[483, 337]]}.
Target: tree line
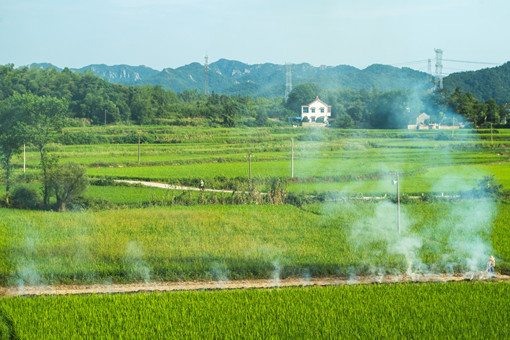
{"points": [[92, 100]]}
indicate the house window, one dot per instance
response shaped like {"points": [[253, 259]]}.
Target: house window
{"points": [[313, 118], [305, 109], [322, 110], [313, 109]]}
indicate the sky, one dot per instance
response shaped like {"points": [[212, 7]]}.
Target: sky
{"points": [[173, 33]]}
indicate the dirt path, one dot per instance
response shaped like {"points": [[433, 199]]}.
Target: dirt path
{"points": [[241, 284], [170, 186], [178, 187]]}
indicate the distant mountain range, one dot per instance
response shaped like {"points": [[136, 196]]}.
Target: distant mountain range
{"points": [[234, 77]]}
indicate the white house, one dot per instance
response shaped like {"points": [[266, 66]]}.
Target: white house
{"points": [[420, 123], [317, 112]]}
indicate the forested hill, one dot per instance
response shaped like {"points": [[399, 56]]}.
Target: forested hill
{"points": [[259, 80], [483, 84]]}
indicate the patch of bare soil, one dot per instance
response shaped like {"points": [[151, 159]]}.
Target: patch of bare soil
{"points": [[243, 284]]}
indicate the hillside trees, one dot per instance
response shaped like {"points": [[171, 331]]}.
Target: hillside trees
{"points": [[479, 113], [96, 101], [490, 83]]}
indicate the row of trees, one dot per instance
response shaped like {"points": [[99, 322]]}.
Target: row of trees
{"points": [[98, 102]]}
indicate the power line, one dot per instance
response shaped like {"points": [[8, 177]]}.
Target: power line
{"points": [[471, 62], [411, 62]]}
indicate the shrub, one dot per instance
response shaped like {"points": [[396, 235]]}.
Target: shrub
{"points": [[25, 197]]}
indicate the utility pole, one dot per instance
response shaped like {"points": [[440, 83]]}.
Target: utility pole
{"points": [[104, 117], [292, 158], [249, 165], [138, 149], [24, 159], [492, 145], [453, 125]]}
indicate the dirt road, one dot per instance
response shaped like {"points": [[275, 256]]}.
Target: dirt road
{"points": [[241, 284], [168, 186]]}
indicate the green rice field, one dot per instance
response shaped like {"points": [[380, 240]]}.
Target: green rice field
{"points": [[408, 311]]}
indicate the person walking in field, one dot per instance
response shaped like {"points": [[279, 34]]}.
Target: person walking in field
{"points": [[202, 185], [491, 265]]}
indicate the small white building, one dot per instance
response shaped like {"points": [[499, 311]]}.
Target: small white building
{"points": [[317, 112], [420, 123]]}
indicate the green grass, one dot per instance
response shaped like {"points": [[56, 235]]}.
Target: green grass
{"points": [[404, 311], [252, 241]]}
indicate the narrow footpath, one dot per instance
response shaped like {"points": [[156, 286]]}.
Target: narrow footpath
{"points": [[147, 287]]}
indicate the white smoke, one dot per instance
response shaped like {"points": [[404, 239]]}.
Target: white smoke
{"points": [[275, 274], [136, 266], [220, 273]]}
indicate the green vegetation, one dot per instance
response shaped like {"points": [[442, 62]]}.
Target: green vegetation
{"points": [[248, 241], [337, 215], [482, 84], [328, 164], [93, 100], [461, 310]]}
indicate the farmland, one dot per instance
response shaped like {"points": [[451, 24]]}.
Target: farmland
{"points": [[336, 217], [346, 161], [246, 241], [437, 310]]}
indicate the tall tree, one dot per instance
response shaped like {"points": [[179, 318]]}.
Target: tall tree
{"points": [[302, 94], [41, 119], [11, 137]]}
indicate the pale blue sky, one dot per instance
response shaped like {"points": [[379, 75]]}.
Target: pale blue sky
{"points": [[172, 33]]}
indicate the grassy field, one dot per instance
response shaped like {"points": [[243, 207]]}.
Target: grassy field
{"points": [[353, 162], [184, 242], [436, 311], [249, 241]]}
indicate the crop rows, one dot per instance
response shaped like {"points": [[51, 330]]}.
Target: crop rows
{"points": [[463, 310]]}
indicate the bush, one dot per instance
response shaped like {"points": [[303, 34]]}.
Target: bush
{"points": [[503, 268], [25, 197]]}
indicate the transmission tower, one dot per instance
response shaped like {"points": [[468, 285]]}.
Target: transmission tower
{"points": [[206, 69], [429, 70], [438, 80], [288, 79]]}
